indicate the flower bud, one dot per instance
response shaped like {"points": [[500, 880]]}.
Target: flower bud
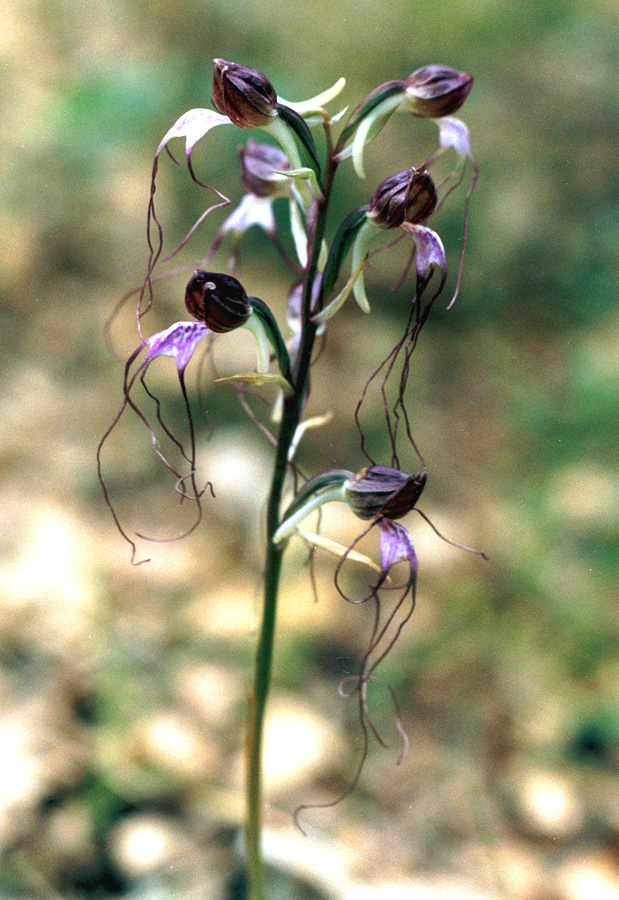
{"points": [[246, 96], [220, 301], [379, 490], [408, 196], [436, 91], [259, 166]]}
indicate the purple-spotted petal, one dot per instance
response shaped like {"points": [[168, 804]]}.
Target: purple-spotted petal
{"points": [[396, 546], [454, 133], [193, 125], [179, 341], [430, 250]]}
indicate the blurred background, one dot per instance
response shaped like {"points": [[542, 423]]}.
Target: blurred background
{"points": [[123, 688]]}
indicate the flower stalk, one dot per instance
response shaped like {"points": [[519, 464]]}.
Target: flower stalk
{"points": [[325, 273], [290, 420]]}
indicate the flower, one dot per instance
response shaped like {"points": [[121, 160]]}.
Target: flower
{"points": [[408, 196], [379, 490], [219, 304], [245, 97], [435, 91], [263, 174], [396, 545], [404, 200], [385, 494], [376, 493], [261, 170], [218, 300], [243, 94]]}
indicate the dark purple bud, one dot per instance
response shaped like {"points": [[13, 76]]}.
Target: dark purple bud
{"points": [[408, 196], [436, 91], [220, 301], [246, 96], [259, 166], [379, 490]]}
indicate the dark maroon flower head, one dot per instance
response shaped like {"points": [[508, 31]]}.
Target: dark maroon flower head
{"points": [[379, 490], [435, 91], [243, 94], [218, 300], [408, 196], [260, 164]]}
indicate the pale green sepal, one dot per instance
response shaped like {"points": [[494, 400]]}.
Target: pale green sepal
{"points": [[305, 173], [369, 127], [361, 138], [357, 261], [263, 346], [370, 104], [325, 314], [313, 501], [315, 104], [336, 118], [323, 255], [319, 118], [264, 327], [314, 422], [297, 126], [284, 136], [324, 543], [340, 245], [278, 408], [258, 378], [318, 490], [297, 230]]}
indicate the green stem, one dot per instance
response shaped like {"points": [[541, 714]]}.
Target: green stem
{"points": [[291, 416], [264, 658]]}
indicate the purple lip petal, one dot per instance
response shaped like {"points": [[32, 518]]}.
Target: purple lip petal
{"points": [[454, 133], [430, 250], [396, 546], [251, 210], [179, 341]]}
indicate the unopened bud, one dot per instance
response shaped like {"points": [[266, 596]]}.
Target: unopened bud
{"points": [[379, 490], [436, 91], [243, 94], [408, 196], [220, 301], [260, 164]]}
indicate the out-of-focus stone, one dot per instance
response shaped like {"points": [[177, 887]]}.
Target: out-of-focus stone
{"points": [[299, 743], [35, 759], [172, 744], [69, 835], [47, 578], [212, 691], [547, 804], [144, 843], [592, 876], [519, 867], [228, 613]]}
